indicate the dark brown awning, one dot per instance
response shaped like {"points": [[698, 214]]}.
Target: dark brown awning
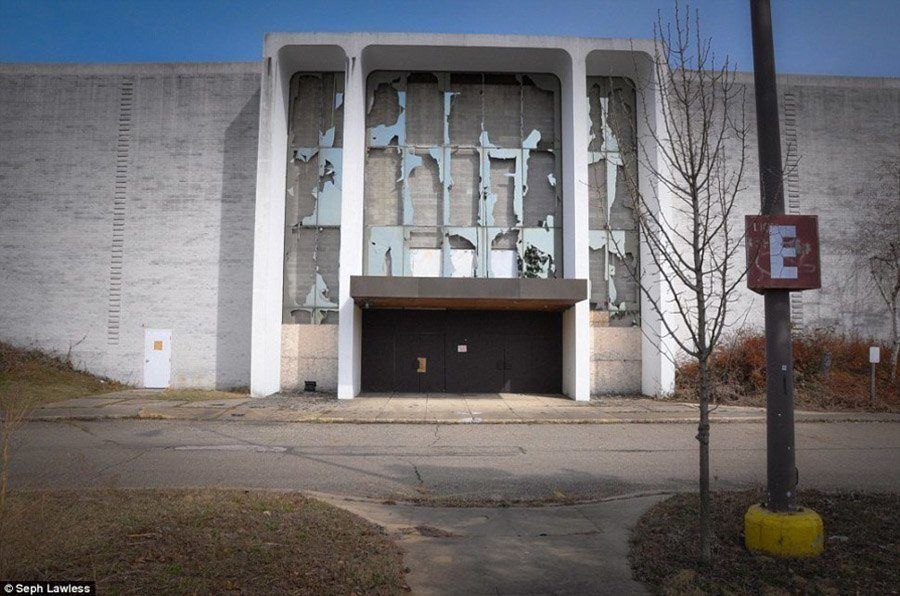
{"points": [[466, 293]]}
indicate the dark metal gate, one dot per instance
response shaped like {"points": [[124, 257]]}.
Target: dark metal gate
{"points": [[461, 351]]}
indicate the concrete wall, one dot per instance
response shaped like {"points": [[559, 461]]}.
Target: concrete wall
{"points": [[615, 356], [309, 353], [835, 133], [126, 201]]}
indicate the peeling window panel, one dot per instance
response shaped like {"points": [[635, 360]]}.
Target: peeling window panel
{"points": [[382, 194], [503, 188], [613, 236], [465, 191], [409, 162], [327, 208], [425, 262], [311, 262], [386, 113], [385, 252], [502, 105], [313, 198], [425, 110], [541, 199], [462, 262], [613, 262], [427, 191], [540, 103], [447, 163], [456, 244], [301, 191], [465, 120], [539, 249]]}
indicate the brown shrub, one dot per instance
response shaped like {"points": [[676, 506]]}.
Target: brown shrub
{"points": [[831, 372]]}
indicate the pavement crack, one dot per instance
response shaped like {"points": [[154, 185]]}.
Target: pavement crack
{"points": [[436, 438], [421, 487]]}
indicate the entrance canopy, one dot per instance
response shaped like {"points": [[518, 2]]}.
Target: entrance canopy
{"points": [[467, 293]]}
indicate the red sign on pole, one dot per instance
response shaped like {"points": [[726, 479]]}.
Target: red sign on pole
{"points": [[782, 252]]}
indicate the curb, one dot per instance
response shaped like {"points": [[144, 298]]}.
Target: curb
{"points": [[452, 421]]}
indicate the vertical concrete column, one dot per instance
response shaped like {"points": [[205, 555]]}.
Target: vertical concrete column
{"points": [[658, 348], [576, 320], [351, 258], [268, 235]]}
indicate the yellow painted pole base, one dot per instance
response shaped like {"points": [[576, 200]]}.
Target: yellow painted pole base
{"points": [[796, 534]]}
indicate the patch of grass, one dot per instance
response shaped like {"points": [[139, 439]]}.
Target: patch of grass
{"points": [[739, 369], [200, 394], [46, 378], [196, 541], [861, 550]]}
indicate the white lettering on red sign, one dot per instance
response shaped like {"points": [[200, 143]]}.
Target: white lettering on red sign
{"points": [[782, 245]]}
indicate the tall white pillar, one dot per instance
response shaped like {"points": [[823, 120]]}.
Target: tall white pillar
{"points": [[658, 348], [576, 320], [351, 257], [268, 250]]}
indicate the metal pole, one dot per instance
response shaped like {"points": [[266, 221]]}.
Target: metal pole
{"points": [[781, 471], [872, 382]]}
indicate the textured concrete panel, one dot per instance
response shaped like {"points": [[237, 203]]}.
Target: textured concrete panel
{"points": [[309, 353], [615, 343], [615, 376]]}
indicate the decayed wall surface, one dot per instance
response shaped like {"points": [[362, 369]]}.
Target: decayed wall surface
{"points": [[126, 202], [836, 131]]}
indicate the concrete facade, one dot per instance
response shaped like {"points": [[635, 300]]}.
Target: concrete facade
{"points": [[150, 167], [153, 196]]}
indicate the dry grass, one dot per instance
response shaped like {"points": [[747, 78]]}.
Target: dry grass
{"points": [[861, 550], [200, 394], [739, 366], [196, 541], [49, 378]]}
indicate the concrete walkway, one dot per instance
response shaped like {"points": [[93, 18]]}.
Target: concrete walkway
{"points": [[578, 549], [502, 408]]}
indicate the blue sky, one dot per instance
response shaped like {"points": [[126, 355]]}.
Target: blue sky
{"points": [[848, 37]]}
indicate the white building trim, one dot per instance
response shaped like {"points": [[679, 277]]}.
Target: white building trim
{"points": [[358, 54]]}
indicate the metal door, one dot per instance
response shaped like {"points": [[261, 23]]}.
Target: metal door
{"points": [[157, 358], [420, 362]]}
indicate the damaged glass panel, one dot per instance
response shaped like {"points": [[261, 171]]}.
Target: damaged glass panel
{"points": [[313, 198], [613, 234], [462, 175]]}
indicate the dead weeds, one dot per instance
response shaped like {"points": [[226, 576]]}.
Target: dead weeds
{"points": [[861, 550], [196, 541], [46, 378], [831, 373]]}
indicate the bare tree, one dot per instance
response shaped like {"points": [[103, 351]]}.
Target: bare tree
{"points": [[695, 152], [878, 241]]}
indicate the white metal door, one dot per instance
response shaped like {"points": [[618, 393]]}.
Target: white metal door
{"points": [[157, 358]]}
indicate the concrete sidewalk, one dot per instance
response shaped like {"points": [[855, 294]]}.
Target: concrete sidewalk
{"points": [[579, 549], [502, 408]]}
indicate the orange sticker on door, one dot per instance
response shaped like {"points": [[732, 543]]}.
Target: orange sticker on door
{"points": [[157, 345]]}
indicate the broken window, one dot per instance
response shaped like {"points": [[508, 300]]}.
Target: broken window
{"points": [[613, 230], [461, 176], [313, 198]]}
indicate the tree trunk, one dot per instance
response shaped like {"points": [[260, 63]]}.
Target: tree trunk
{"points": [[703, 438]]}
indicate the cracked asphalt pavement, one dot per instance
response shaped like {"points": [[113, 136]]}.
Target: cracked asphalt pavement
{"points": [[412, 461]]}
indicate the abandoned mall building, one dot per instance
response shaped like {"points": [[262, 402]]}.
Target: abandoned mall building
{"points": [[385, 213]]}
